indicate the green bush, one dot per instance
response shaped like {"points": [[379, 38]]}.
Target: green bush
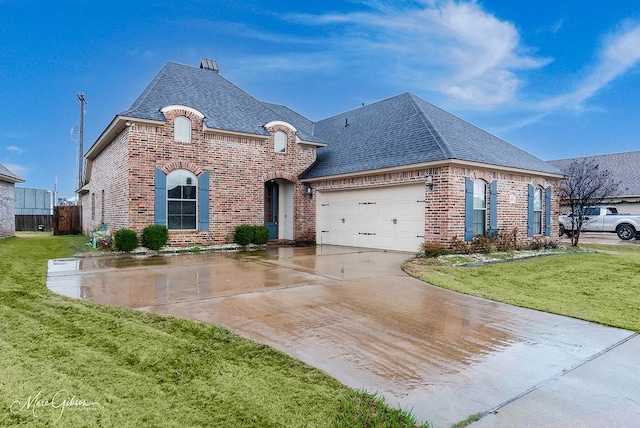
{"points": [[243, 235], [260, 235], [126, 240], [155, 237], [246, 234], [434, 249]]}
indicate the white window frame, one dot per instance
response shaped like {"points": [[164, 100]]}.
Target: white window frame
{"points": [[186, 175], [182, 129], [537, 210], [479, 206], [280, 142]]}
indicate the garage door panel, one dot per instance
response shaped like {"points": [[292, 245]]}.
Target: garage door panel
{"points": [[385, 217]]}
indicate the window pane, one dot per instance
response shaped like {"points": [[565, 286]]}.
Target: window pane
{"points": [[189, 192], [189, 222], [537, 199], [174, 208], [174, 192], [479, 195], [280, 142], [537, 222], [479, 220], [189, 208], [182, 129], [174, 222]]}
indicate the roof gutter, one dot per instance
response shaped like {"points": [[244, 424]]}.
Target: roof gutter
{"points": [[434, 164]]}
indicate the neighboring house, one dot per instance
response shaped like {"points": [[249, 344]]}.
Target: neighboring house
{"points": [[34, 209], [198, 154], [8, 181], [624, 169]]}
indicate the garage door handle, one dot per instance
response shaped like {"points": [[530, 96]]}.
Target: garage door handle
{"points": [[365, 233]]}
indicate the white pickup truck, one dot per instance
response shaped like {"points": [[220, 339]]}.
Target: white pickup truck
{"points": [[604, 219]]}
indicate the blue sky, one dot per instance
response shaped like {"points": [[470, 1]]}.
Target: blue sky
{"points": [[556, 78]]}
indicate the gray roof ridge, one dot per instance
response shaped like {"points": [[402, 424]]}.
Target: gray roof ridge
{"points": [[431, 127], [140, 100], [605, 155]]}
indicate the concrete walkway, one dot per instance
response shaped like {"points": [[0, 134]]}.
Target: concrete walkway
{"points": [[355, 314]]}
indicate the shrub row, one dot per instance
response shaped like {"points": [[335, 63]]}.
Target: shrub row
{"points": [[500, 241], [153, 237], [246, 234]]}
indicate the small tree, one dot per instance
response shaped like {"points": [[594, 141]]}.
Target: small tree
{"points": [[584, 184]]}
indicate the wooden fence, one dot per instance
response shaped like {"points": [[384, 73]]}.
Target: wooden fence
{"points": [[66, 220], [32, 223]]}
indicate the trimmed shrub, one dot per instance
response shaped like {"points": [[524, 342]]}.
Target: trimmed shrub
{"points": [[126, 240], [243, 235], [246, 234], [434, 249], [260, 235], [155, 237]]}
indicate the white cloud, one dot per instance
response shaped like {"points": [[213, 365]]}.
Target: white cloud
{"points": [[14, 149], [453, 47], [620, 52]]}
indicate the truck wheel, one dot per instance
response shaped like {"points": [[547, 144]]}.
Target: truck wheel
{"points": [[626, 232]]}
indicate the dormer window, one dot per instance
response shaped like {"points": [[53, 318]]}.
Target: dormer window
{"points": [[182, 129], [280, 142]]}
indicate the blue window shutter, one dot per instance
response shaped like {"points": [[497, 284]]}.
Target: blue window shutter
{"points": [[547, 211], [468, 209], [203, 202], [160, 199], [493, 208], [530, 212]]}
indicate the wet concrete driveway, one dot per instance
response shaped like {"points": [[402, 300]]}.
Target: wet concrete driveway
{"points": [[355, 314]]}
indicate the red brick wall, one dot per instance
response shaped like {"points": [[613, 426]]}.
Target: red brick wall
{"points": [[238, 167], [445, 204], [109, 173]]}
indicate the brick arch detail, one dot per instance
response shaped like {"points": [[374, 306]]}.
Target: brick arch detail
{"points": [[280, 174], [189, 166]]}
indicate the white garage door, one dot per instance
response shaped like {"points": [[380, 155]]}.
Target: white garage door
{"points": [[389, 218]]}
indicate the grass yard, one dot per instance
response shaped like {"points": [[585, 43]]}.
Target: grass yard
{"points": [[67, 362], [602, 286]]}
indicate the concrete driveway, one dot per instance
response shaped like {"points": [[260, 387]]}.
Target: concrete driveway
{"points": [[355, 314]]}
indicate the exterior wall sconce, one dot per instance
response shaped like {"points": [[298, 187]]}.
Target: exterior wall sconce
{"points": [[308, 190], [429, 181]]}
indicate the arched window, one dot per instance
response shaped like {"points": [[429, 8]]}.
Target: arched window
{"points": [[479, 207], [182, 197], [280, 142], [537, 211], [182, 129]]}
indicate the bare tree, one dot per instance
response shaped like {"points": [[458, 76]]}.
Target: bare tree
{"points": [[584, 185]]}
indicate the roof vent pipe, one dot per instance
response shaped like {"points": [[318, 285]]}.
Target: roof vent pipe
{"points": [[209, 64]]}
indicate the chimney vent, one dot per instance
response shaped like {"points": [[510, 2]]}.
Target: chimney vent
{"points": [[209, 64]]}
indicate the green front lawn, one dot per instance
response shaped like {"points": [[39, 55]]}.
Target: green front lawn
{"points": [[67, 362], [602, 286]]}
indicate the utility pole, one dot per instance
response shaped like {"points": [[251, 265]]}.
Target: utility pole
{"points": [[81, 149]]}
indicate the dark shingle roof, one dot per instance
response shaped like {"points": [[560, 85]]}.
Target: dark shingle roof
{"points": [[402, 130], [624, 168], [303, 125], [406, 130], [7, 175], [224, 105]]}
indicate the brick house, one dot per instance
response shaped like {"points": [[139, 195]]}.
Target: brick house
{"points": [[8, 181], [198, 154]]}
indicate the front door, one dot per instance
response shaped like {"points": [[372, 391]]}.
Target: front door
{"points": [[271, 208]]}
